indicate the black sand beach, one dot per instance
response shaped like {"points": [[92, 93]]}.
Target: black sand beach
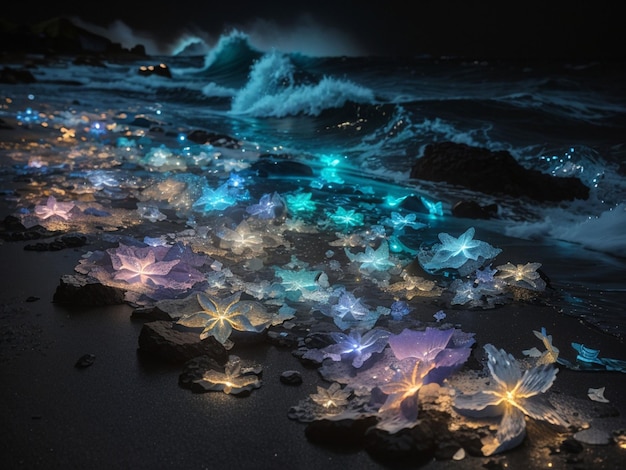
{"points": [[127, 410]]}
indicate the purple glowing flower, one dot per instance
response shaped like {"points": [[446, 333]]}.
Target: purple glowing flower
{"points": [[269, 206], [433, 346], [54, 208], [355, 346]]}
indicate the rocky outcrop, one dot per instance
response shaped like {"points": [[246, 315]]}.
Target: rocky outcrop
{"points": [[494, 173]]}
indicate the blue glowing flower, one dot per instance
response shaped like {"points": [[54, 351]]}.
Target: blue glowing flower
{"points": [[215, 199], [269, 206], [300, 202], [373, 260], [398, 222]]}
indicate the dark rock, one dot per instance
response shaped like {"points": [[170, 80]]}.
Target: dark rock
{"points": [[416, 445], [14, 76], [473, 210], [32, 298], [344, 434], [275, 165], [194, 370], [291, 377], [160, 339], [77, 289], [282, 338], [571, 446], [495, 173], [161, 70], [67, 241], [211, 138], [12, 229], [85, 361]]}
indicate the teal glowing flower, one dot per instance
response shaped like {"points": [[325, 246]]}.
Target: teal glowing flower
{"points": [[346, 218], [300, 202], [215, 199]]}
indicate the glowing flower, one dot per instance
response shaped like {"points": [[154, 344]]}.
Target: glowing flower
{"points": [[346, 218], [550, 355], [373, 260], [300, 202], [54, 208], [513, 396], [398, 222], [233, 380], [240, 239], [219, 317], [434, 208], [402, 390], [215, 199], [455, 252], [300, 282], [522, 275], [356, 347], [267, 207], [446, 350], [332, 397], [141, 266], [350, 312]]}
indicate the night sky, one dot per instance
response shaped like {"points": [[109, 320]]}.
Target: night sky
{"points": [[470, 28]]}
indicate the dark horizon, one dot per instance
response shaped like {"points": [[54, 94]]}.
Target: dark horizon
{"points": [[488, 29]]}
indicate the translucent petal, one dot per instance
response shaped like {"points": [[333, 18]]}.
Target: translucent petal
{"points": [[511, 432], [537, 380], [503, 367], [476, 402]]}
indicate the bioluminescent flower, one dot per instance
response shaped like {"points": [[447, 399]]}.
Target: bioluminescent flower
{"points": [[269, 206], [372, 260], [398, 222], [485, 275], [300, 202], [440, 315], [391, 201], [151, 213], [350, 312], [434, 208], [550, 355], [346, 218], [432, 346], [141, 266], [465, 292], [359, 348], [402, 390], [233, 380], [54, 208], [300, 283], [455, 252], [240, 239], [331, 398], [399, 310], [513, 396], [215, 199], [521, 275], [218, 317]]}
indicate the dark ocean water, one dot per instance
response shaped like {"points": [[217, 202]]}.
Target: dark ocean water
{"points": [[359, 124]]}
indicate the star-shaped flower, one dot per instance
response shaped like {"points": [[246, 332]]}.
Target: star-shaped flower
{"points": [[522, 275], [513, 396], [300, 282], [215, 199], [233, 380], [455, 252], [54, 208], [269, 206], [332, 397], [240, 239], [346, 218], [300, 202], [373, 260], [219, 317], [141, 266], [355, 346], [398, 222]]}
